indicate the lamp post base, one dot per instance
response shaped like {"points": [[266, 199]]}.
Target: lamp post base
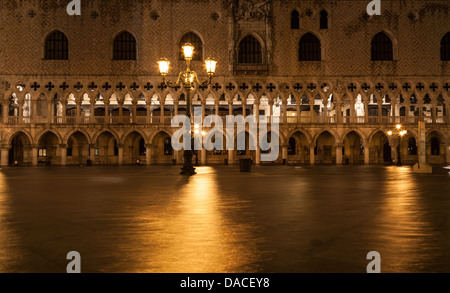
{"points": [[188, 169]]}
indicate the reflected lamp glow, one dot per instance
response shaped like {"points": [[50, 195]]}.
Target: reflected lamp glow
{"points": [[188, 50], [210, 65], [164, 66]]}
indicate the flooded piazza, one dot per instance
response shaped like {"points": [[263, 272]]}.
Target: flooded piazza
{"points": [[274, 219]]}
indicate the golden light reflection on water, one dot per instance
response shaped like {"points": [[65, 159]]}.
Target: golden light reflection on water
{"points": [[5, 254], [195, 236], [404, 224]]}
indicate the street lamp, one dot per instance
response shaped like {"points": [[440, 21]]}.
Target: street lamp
{"points": [[400, 133], [188, 79]]}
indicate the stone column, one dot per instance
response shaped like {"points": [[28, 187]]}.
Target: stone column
{"points": [[49, 111], [284, 112], [149, 112], [258, 155], [203, 156], [120, 156], [63, 148], [298, 111], [284, 152], [230, 157], [34, 155], [64, 109], [312, 157], [366, 154], [380, 110], [5, 112], [312, 113], [420, 110], [92, 118], [338, 112], [352, 109], [148, 154], [134, 114], [230, 109], [4, 157], [161, 105], [120, 111], [92, 153], [33, 111], [106, 112], [339, 154], [366, 110], [325, 110], [78, 118], [244, 109], [203, 111]]}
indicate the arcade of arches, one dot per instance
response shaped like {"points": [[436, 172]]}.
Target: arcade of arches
{"points": [[141, 146]]}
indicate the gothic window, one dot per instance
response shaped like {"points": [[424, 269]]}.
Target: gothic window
{"points": [[168, 150], [292, 148], [412, 148], [435, 149], [142, 148], [196, 42], [295, 20], [382, 49], [445, 47], [250, 51], [56, 46], [124, 47], [309, 48], [323, 20]]}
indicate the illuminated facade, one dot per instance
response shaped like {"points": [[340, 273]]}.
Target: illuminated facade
{"points": [[79, 88]]}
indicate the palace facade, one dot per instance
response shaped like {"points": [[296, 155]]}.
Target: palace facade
{"points": [[85, 88]]}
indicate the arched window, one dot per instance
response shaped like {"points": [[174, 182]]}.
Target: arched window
{"points": [[445, 48], [196, 42], [56, 46], [435, 147], [382, 49], [295, 20], [292, 148], [124, 47], [250, 51], [412, 147], [323, 20], [309, 48]]}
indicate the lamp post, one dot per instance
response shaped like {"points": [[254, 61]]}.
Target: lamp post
{"points": [[188, 78], [400, 133]]}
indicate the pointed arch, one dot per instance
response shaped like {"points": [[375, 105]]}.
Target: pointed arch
{"points": [[309, 48], [382, 48], [124, 47], [196, 41], [323, 20], [250, 50], [56, 46]]}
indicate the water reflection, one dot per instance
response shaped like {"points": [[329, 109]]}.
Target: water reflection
{"points": [[196, 235], [7, 253], [406, 231]]}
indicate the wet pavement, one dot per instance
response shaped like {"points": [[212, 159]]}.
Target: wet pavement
{"points": [[275, 219]]}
